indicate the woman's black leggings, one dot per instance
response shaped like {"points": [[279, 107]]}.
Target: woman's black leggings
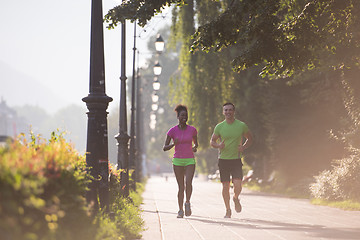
{"points": [[186, 172]]}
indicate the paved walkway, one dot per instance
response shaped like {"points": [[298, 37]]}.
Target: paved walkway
{"points": [[263, 217]]}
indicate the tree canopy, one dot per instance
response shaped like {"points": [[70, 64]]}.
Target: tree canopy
{"points": [[285, 35], [303, 110]]}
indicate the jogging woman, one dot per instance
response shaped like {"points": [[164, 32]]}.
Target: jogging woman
{"points": [[184, 138]]}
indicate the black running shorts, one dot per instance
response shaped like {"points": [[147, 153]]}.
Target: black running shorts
{"points": [[230, 167]]}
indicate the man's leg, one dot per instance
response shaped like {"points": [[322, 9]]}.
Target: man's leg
{"points": [[237, 187], [226, 194], [225, 180], [237, 190]]}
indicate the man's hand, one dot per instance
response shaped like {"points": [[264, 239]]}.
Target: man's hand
{"points": [[241, 148], [221, 145], [214, 144]]}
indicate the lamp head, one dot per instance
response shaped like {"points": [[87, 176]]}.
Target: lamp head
{"points": [[157, 69], [156, 84], [159, 44]]}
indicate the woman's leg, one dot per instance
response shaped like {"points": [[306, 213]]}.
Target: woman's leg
{"points": [[189, 175], [179, 174]]}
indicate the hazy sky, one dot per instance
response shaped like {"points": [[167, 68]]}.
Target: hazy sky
{"points": [[49, 42]]}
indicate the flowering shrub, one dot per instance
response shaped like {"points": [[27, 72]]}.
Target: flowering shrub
{"points": [[127, 222], [42, 187], [114, 183], [43, 184], [342, 182]]}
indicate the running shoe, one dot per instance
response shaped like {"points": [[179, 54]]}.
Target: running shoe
{"points": [[180, 214], [228, 213], [187, 209], [237, 204]]}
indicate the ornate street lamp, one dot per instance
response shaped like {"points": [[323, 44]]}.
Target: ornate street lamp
{"points": [[154, 106], [132, 149], [155, 97], [152, 116], [122, 137], [139, 126], [159, 44], [97, 102], [157, 69], [156, 84]]}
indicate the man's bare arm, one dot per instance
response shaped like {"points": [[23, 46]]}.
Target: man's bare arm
{"points": [[214, 144], [247, 143]]}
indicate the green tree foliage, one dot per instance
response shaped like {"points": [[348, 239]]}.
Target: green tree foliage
{"points": [[141, 10], [306, 97], [286, 35]]}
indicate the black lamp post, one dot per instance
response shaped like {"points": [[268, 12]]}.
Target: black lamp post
{"points": [[138, 127], [122, 137], [132, 149], [97, 102], [134, 157], [159, 47]]}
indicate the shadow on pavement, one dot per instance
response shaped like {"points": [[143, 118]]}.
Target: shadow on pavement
{"points": [[319, 231], [162, 212], [313, 230], [263, 194]]}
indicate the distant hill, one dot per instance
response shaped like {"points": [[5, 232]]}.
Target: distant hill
{"points": [[18, 89]]}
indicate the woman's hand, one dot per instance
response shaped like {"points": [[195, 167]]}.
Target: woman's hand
{"points": [[167, 145], [194, 148]]}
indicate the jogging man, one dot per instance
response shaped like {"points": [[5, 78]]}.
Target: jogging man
{"points": [[231, 137]]}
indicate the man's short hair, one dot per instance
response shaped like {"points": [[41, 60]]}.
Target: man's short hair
{"points": [[229, 103]]}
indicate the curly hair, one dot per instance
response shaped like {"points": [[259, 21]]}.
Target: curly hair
{"points": [[179, 108]]}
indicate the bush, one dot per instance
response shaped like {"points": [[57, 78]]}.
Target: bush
{"points": [[43, 185], [127, 221], [340, 183], [42, 188]]}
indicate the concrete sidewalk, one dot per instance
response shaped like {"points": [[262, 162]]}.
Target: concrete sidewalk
{"points": [[264, 216]]}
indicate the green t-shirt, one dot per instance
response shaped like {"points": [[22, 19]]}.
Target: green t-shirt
{"points": [[232, 135]]}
